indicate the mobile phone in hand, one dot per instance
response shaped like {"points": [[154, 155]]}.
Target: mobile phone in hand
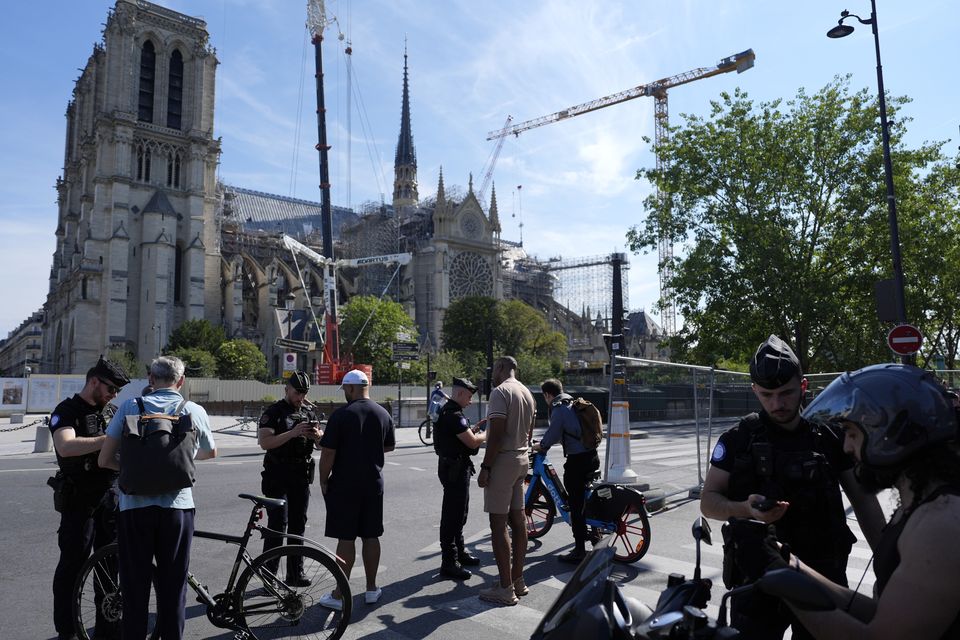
{"points": [[764, 505]]}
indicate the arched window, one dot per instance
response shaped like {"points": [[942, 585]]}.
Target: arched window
{"points": [[170, 169], [140, 162], [148, 66], [176, 170], [175, 94]]}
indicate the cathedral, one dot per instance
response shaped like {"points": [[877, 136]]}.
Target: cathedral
{"points": [[147, 237]]}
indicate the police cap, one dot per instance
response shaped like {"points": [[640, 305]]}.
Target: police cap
{"points": [[466, 384], [774, 364], [110, 372], [300, 381]]}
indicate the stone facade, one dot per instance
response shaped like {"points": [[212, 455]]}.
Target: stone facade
{"points": [[22, 348]]}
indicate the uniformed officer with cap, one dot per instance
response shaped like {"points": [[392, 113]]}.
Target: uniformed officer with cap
{"points": [[84, 494], [455, 441], [288, 431], [780, 469]]}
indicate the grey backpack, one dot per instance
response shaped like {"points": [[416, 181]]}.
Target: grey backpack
{"points": [[156, 452]]}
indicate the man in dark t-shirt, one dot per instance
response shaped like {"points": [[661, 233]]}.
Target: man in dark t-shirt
{"points": [[351, 478]]}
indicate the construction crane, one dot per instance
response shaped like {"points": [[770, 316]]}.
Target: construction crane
{"points": [[488, 172], [334, 366], [738, 62]]}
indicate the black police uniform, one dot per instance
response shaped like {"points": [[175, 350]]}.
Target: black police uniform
{"points": [[454, 469], [86, 497], [287, 472], [801, 467]]}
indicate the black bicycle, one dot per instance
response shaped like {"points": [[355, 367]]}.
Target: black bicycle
{"points": [[270, 599]]}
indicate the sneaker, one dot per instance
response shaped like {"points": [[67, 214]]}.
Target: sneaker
{"points": [[574, 557], [372, 597], [327, 600], [499, 595], [520, 587]]}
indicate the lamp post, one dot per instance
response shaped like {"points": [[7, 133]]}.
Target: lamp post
{"points": [[840, 31], [288, 303]]}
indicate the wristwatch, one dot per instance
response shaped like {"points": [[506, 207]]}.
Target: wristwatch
{"points": [[484, 466]]}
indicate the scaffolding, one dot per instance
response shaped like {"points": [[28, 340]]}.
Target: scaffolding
{"points": [[585, 285]]}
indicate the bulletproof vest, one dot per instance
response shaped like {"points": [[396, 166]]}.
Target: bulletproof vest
{"points": [[284, 417], [803, 477], [89, 425], [445, 441]]}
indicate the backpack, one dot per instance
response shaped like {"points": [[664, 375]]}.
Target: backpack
{"points": [[156, 452], [591, 424]]}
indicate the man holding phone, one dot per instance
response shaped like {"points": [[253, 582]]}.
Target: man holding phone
{"points": [[455, 441], [288, 431], [777, 468]]}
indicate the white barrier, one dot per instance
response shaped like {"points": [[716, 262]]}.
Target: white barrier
{"points": [[618, 444], [43, 443]]}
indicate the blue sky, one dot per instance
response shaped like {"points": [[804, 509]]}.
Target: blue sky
{"points": [[471, 64]]}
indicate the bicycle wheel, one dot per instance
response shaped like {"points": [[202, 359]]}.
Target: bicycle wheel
{"points": [[540, 510], [632, 538], [97, 602], [272, 608], [426, 432]]}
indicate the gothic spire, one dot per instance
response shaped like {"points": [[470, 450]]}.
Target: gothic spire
{"points": [[441, 195], [405, 161], [494, 214]]}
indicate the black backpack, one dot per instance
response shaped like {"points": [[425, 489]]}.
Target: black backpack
{"points": [[156, 452]]}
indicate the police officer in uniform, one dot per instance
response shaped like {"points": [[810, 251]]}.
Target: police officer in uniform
{"points": [[84, 494], [455, 441], [780, 469], [288, 431]]}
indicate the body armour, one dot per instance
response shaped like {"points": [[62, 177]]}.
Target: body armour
{"points": [[281, 416], [802, 467], [87, 421], [451, 423]]}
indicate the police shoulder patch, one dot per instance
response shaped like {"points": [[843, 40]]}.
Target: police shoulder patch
{"points": [[264, 420], [464, 422], [54, 420], [719, 452]]}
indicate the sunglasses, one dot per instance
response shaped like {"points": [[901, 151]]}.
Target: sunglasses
{"points": [[110, 387]]}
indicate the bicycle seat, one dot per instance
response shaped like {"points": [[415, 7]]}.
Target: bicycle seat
{"points": [[265, 501]]}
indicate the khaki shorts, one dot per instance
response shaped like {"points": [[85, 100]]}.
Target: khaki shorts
{"points": [[504, 493]]}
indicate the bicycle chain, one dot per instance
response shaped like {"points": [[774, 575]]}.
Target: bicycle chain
{"points": [[24, 426]]}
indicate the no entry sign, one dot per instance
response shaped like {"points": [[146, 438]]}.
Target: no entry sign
{"points": [[904, 339]]}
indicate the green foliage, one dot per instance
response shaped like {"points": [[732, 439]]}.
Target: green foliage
{"points": [[268, 399], [535, 369], [448, 365], [199, 363], [467, 321], [782, 207], [241, 360], [133, 367], [196, 334], [379, 320]]}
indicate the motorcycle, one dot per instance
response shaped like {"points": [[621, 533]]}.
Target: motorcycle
{"points": [[591, 605]]}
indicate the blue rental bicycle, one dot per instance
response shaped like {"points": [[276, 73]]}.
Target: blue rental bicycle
{"points": [[609, 508]]}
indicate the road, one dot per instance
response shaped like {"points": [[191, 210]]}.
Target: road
{"points": [[416, 602]]}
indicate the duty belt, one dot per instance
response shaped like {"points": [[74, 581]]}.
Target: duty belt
{"points": [[290, 460], [455, 458]]}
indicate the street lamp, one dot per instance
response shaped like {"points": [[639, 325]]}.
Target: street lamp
{"points": [[840, 31]]}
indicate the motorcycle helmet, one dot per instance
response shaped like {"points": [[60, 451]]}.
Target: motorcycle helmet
{"points": [[899, 408]]}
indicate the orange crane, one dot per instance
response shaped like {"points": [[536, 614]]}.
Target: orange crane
{"points": [[738, 62]]}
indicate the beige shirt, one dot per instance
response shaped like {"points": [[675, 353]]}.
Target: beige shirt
{"points": [[513, 402]]}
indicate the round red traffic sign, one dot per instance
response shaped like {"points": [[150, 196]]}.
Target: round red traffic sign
{"points": [[904, 339]]}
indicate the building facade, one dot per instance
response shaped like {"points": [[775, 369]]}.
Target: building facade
{"points": [[20, 351]]}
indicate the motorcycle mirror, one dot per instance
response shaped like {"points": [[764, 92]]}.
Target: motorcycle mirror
{"points": [[701, 530], [801, 590]]}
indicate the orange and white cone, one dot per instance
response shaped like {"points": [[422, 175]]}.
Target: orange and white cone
{"points": [[618, 447]]}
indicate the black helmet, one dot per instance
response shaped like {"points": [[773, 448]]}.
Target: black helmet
{"points": [[774, 364], [900, 409]]}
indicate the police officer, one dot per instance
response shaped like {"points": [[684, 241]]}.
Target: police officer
{"points": [[455, 441], [778, 468], [84, 494], [288, 431]]}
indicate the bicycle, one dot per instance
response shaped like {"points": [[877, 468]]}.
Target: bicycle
{"points": [[609, 509], [426, 432], [262, 603]]}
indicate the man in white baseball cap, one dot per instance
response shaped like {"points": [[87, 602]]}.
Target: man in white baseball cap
{"points": [[351, 478]]}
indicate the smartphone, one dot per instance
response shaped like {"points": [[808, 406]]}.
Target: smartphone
{"points": [[764, 505]]}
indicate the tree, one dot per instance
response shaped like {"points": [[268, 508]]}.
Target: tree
{"points": [[783, 212], [241, 360], [524, 329], [197, 334], [198, 363], [368, 329], [467, 321], [133, 367]]}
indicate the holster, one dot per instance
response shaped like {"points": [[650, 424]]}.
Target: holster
{"points": [[57, 484], [732, 576]]}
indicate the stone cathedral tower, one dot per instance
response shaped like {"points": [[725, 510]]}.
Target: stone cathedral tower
{"points": [[137, 249], [405, 161]]}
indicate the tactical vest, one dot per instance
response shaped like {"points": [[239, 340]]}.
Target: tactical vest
{"points": [[90, 425], [297, 450], [815, 521], [445, 442]]}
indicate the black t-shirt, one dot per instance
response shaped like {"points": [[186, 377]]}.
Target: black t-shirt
{"points": [[446, 432], [359, 432]]}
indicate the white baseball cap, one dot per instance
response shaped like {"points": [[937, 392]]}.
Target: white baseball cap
{"points": [[355, 376]]}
